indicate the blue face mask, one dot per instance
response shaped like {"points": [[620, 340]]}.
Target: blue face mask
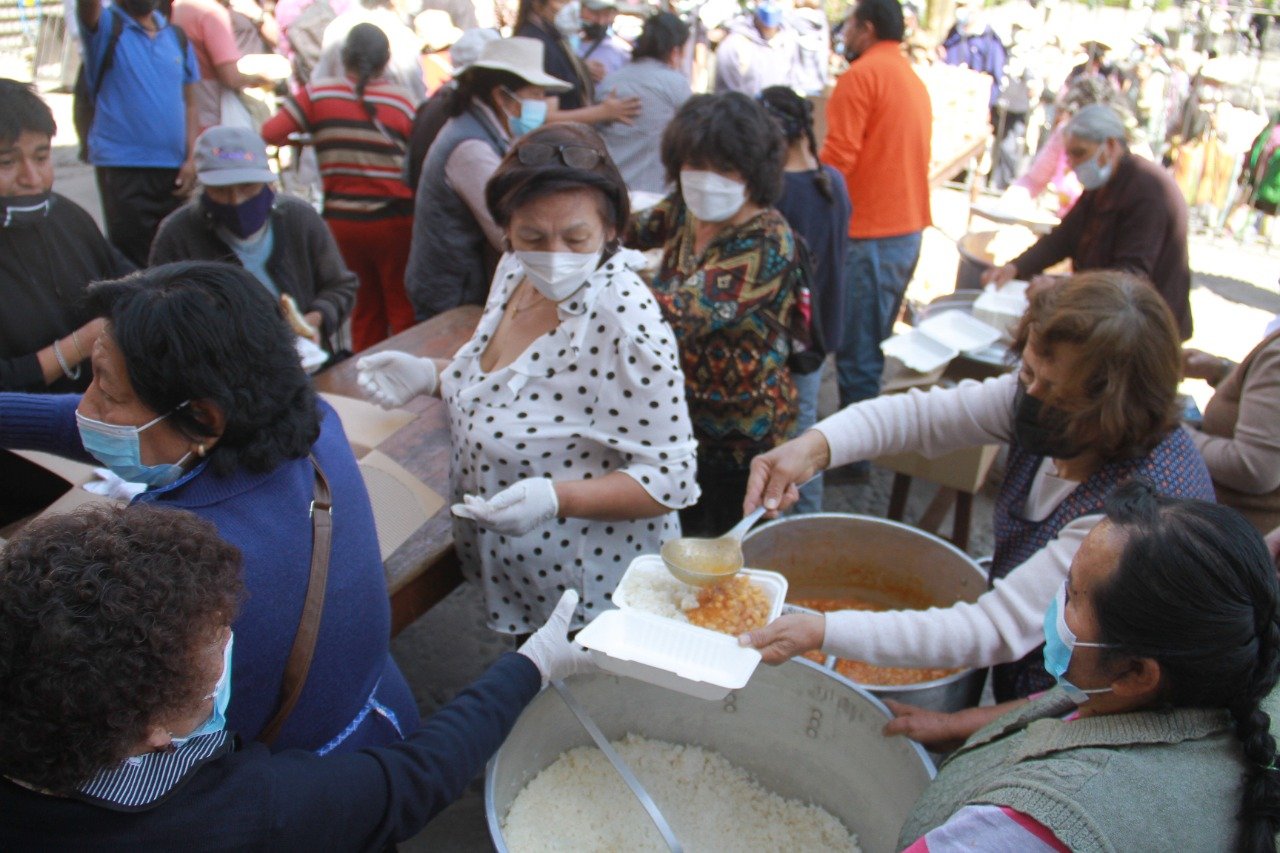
{"points": [[533, 112], [769, 15], [221, 697], [118, 448], [1059, 642]]}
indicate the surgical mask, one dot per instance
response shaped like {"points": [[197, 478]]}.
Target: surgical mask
{"points": [[533, 112], [711, 196], [769, 15], [556, 275], [1092, 175], [1039, 429], [221, 697], [17, 210], [1059, 642], [118, 448], [244, 219]]}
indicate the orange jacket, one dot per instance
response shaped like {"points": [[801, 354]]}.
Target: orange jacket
{"points": [[879, 122]]}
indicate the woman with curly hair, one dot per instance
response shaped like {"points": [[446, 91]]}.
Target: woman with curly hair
{"points": [[198, 394], [1165, 644], [729, 284], [117, 659]]}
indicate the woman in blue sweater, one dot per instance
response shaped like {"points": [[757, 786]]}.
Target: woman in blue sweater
{"points": [[198, 393]]}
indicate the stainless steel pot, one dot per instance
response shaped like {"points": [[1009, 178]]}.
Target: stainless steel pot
{"points": [[803, 731], [837, 555]]}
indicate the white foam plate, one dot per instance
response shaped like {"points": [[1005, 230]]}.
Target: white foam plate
{"points": [[672, 654], [918, 351], [959, 331], [1000, 310]]}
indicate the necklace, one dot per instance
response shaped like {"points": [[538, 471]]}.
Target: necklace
{"points": [[532, 302]]}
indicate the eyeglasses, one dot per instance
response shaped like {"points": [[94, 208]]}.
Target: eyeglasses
{"points": [[574, 156]]}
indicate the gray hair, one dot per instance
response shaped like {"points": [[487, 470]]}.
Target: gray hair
{"points": [[1097, 123]]}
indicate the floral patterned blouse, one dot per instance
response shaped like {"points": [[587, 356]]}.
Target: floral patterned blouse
{"points": [[730, 307]]}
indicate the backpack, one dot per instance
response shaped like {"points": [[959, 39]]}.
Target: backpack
{"points": [[306, 37], [84, 100]]}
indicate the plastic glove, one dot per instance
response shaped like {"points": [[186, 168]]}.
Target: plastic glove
{"points": [[109, 485], [394, 378], [550, 648], [515, 510]]}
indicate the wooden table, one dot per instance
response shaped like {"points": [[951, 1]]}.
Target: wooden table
{"points": [[425, 568]]}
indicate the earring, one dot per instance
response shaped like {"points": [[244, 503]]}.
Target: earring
{"points": [[200, 450]]}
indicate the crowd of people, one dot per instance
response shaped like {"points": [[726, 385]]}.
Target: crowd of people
{"points": [[661, 278]]}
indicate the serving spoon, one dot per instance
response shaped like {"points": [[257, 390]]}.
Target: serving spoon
{"points": [[703, 561]]}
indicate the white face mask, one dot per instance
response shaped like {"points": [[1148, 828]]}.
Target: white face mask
{"points": [[556, 275], [712, 197], [1091, 174]]}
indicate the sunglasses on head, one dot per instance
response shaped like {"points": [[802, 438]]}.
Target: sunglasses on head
{"points": [[574, 156]]}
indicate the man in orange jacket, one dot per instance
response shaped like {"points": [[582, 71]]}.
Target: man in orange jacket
{"points": [[879, 122]]}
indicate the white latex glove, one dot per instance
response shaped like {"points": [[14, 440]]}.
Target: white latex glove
{"points": [[394, 378], [516, 509], [109, 485], [551, 650]]}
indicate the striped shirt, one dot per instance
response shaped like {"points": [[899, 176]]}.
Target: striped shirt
{"points": [[361, 160], [141, 782]]}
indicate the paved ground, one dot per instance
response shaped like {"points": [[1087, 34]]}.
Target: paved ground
{"points": [[1235, 294]]}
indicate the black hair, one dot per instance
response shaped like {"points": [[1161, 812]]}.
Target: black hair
{"points": [[794, 116], [514, 184], [526, 11], [663, 32], [104, 615], [22, 109], [479, 84], [885, 17], [728, 132], [209, 331], [1196, 590], [365, 54]]}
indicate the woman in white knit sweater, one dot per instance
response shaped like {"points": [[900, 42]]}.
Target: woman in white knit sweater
{"points": [[1092, 405]]}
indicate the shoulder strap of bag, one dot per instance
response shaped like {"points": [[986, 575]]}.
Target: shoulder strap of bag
{"points": [[109, 57], [304, 642]]}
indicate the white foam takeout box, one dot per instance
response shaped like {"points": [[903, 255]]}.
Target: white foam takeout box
{"points": [[672, 654], [939, 339]]}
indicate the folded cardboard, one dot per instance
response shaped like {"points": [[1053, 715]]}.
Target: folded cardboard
{"points": [[401, 502]]}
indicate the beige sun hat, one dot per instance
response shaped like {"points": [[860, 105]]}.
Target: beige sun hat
{"points": [[522, 57], [436, 30]]}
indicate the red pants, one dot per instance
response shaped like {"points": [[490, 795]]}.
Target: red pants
{"points": [[377, 251]]}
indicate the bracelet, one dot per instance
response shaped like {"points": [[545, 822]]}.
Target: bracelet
{"points": [[62, 362], [75, 340]]}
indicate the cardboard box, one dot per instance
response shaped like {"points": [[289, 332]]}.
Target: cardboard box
{"points": [[401, 502]]}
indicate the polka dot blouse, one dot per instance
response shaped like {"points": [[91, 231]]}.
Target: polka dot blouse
{"points": [[602, 392]]}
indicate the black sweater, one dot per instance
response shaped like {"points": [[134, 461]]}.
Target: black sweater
{"points": [[304, 263], [44, 269]]}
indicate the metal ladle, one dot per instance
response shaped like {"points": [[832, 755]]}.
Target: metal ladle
{"points": [[702, 562]]}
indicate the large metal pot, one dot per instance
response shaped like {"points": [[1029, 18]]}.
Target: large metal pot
{"points": [[803, 731], [838, 555]]}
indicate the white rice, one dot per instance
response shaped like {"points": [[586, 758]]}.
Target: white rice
{"points": [[580, 803], [653, 589]]}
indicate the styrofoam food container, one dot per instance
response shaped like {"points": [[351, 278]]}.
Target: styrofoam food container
{"points": [[676, 655], [959, 330], [918, 351], [1000, 310]]}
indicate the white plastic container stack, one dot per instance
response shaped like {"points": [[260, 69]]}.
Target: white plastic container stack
{"points": [[939, 339], [672, 654]]}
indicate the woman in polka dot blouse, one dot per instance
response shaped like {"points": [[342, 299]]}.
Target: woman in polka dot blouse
{"points": [[572, 446]]}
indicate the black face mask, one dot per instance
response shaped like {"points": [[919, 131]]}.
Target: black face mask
{"points": [[19, 210], [1040, 429], [594, 32], [139, 8]]}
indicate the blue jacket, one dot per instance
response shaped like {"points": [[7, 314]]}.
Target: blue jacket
{"points": [[983, 52], [248, 799], [353, 688]]}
